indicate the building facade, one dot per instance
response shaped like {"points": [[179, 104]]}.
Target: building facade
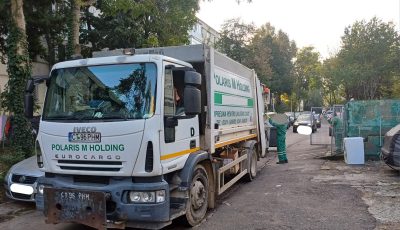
{"points": [[38, 69], [202, 33]]}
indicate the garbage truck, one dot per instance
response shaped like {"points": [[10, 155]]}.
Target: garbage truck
{"points": [[137, 138]]}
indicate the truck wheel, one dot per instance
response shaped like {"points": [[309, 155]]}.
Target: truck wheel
{"points": [[196, 207], [251, 165]]}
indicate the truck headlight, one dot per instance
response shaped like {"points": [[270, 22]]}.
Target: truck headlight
{"points": [[40, 189], [146, 196]]}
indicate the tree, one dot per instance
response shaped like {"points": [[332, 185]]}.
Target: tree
{"points": [[259, 57], [126, 23], [331, 80], [45, 29], [235, 39], [308, 83], [370, 58], [74, 23], [282, 52], [19, 70]]}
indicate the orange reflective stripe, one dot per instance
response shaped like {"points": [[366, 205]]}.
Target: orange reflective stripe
{"points": [[228, 142], [177, 154]]}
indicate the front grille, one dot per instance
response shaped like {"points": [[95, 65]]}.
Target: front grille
{"points": [[90, 162], [90, 169], [21, 196], [23, 179], [98, 166]]}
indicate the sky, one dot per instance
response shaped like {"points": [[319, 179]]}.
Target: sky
{"points": [[318, 23]]}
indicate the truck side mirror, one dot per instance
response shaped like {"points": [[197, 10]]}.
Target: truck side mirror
{"points": [[28, 98], [191, 94]]}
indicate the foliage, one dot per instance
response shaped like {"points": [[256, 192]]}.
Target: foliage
{"points": [[331, 80], [309, 81], [138, 24], [45, 19], [259, 57], [369, 58], [19, 70], [235, 39], [279, 77], [4, 21]]}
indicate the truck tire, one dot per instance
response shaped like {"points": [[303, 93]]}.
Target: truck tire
{"points": [[251, 164], [196, 207]]}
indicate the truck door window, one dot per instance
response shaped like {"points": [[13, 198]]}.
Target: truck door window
{"points": [[169, 106], [178, 96], [169, 103]]}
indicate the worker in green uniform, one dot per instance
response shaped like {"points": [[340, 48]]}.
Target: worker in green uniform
{"points": [[337, 125], [281, 141]]}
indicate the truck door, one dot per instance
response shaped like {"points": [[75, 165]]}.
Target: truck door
{"points": [[180, 134]]}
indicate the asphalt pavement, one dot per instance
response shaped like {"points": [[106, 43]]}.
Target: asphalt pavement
{"points": [[286, 197]]}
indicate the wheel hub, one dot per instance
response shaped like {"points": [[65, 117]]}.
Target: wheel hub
{"points": [[197, 195]]}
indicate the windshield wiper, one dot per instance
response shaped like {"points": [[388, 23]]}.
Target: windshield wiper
{"points": [[106, 117], [58, 118], [81, 117]]}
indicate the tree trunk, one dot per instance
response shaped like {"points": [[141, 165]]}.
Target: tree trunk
{"points": [[51, 58], [18, 18], [76, 15], [19, 70]]}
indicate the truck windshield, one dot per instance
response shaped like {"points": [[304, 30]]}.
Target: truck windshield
{"points": [[123, 91]]}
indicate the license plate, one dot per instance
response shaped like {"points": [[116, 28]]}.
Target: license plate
{"points": [[84, 207], [84, 137]]}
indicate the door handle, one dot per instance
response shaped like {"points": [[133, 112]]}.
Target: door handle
{"points": [[193, 144]]}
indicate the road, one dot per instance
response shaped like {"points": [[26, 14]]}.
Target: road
{"points": [[285, 196], [310, 192]]}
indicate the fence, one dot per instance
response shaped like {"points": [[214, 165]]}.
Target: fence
{"points": [[371, 120]]}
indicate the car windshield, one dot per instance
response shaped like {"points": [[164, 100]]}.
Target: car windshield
{"points": [[124, 91], [304, 117]]}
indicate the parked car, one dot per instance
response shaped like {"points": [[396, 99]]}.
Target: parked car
{"points": [[305, 119], [291, 118], [391, 148], [21, 180]]}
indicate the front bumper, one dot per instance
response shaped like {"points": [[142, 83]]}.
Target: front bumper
{"points": [[119, 212]]}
